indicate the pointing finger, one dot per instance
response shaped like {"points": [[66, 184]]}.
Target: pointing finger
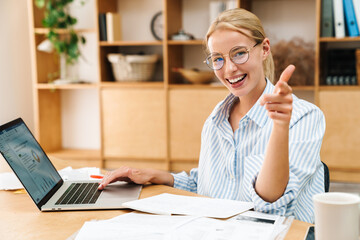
{"points": [[286, 74]]}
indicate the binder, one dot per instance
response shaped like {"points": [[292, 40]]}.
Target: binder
{"points": [[102, 27], [339, 18], [350, 18], [356, 4], [327, 19], [113, 27]]}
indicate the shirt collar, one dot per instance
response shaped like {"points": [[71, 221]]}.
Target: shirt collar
{"points": [[257, 113]]}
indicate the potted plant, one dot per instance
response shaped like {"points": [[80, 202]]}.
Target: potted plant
{"points": [[66, 43]]}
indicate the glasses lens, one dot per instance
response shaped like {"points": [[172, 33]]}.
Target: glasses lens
{"points": [[215, 61], [239, 55]]}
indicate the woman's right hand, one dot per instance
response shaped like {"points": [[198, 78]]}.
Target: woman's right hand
{"points": [[139, 176]]}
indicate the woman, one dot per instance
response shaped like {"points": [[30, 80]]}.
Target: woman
{"points": [[260, 144]]}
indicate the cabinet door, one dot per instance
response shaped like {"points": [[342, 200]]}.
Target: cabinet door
{"points": [[134, 123], [189, 108], [340, 149]]}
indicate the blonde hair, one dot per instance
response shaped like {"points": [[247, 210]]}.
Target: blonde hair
{"points": [[238, 19]]}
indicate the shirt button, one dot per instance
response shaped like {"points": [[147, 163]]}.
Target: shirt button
{"points": [[232, 177]]}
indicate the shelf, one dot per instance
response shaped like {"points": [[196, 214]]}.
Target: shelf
{"points": [[132, 84], [186, 42], [303, 88], [130, 43], [66, 86], [192, 86], [220, 86], [77, 154], [63, 31], [339, 88], [345, 39]]}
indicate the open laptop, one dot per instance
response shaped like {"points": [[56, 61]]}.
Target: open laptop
{"points": [[43, 182]]}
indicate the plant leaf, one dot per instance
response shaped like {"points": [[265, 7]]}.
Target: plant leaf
{"points": [[40, 3]]}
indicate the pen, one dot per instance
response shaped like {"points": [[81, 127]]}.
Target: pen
{"points": [[97, 176]]}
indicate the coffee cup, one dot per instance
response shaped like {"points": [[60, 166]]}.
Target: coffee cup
{"points": [[336, 216]]}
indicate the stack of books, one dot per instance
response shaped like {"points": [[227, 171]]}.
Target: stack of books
{"points": [[110, 27], [340, 18], [341, 67]]}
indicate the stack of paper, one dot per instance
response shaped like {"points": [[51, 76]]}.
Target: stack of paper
{"points": [[169, 204], [194, 223], [138, 226]]}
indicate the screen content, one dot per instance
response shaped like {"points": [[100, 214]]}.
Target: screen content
{"points": [[28, 161]]}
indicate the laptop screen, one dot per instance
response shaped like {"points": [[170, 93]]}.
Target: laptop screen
{"points": [[27, 159]]}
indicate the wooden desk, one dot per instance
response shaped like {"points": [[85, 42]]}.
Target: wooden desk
{"points": [[20, 218]]}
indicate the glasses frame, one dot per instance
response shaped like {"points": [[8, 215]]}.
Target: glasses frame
{"points": [[216, 69]]}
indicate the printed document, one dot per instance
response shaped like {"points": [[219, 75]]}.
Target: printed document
{"points": [[169, 204]]}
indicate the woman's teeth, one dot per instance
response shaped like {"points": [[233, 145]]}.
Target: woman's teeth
{"points": [[235, 80]]}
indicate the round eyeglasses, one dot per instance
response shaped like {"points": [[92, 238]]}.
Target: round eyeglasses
{"points": [[237, 55]]}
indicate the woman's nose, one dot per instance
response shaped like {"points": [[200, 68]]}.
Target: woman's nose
{"points": [[229, 65]]}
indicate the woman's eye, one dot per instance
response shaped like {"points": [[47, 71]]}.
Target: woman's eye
{"points": [[218, 59], [239, 53]]}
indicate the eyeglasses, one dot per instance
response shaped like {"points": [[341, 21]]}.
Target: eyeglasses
{"points": [[238, 55]]}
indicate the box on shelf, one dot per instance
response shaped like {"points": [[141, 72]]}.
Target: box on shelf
{"points": [[132, 68]]}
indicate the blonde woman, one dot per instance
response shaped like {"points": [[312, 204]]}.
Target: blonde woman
{"points": [[261, 143]]}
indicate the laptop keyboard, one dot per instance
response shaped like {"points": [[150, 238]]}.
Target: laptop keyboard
{"points": [[80, 193]]}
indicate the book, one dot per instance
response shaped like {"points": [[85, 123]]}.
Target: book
{"points": [[339, 18], [356, 4], [350, 19], [357, 53], [340, 67], [102, 27], [327, 19], [113, 27]]}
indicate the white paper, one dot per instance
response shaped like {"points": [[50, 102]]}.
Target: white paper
{"points": [[132, 226], [136, 226], [196, 206], [9, 181], [70, 174]]}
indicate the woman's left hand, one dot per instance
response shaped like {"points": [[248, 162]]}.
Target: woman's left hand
{"points": [[279, 103]]}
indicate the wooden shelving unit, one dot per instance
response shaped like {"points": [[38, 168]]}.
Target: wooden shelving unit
{"points": [[158, 123], [340, 104]]}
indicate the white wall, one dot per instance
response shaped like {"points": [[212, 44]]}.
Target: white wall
{"points": [[15, 71]]}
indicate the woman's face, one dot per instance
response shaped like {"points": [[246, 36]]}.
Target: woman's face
{"points": [[242, 80]]}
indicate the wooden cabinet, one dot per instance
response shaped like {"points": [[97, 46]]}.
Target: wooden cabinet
{"points": [[340, 104], [145, 124]]}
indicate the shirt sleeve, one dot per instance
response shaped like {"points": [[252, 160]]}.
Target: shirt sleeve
{"points": [[186, 182], [306, 176]]}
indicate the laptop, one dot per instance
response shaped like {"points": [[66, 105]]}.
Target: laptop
{"points": [[43, 182]]}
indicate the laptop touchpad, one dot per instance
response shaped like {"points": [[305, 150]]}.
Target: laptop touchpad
{"points": [[114, 190]]}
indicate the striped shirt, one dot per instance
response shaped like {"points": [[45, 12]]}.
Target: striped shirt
{"points": [[230, 161]]}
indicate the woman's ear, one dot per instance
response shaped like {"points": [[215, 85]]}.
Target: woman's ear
{"points": [[266, 48]]}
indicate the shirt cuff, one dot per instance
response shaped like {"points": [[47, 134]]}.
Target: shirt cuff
{"points": [[285, 204], [184, 181]]}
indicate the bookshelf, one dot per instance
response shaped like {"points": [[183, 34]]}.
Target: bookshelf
{"points": [[158, 123], [340, 105]]}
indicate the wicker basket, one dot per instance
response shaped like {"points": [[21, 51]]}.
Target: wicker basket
{"points": [[132, 68]]}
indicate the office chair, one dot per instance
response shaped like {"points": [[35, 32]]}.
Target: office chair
{"points": [[326, 177]]}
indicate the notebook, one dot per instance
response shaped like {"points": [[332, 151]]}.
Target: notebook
{"points": [[43, 182]]}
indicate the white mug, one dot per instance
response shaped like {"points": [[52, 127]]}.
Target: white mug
{"points": [[336, 216]]}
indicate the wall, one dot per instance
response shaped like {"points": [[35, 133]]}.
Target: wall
{"points": [[15, 70]]}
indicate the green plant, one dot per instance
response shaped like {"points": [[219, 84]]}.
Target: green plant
{"points": [[56, 16]]}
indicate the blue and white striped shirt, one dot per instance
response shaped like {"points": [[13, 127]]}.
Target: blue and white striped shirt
{"points": [[230, 161]]}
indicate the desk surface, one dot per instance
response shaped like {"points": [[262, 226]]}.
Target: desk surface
{"points": [[21, 219]]}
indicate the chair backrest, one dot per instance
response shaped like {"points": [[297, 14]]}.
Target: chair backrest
{"points": [[326, 177]]}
